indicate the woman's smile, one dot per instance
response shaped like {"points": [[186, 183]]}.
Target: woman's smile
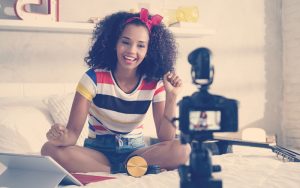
{"points": [[129, 59]]}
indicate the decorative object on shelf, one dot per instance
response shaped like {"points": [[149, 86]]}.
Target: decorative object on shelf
{"points": [[7, 10], [24, 14], [188, 14], [169, 16], [94, 19]]}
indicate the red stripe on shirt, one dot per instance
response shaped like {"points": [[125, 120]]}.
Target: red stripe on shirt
{"points": [[147, 85], [162, 88], [140, 127], [104, 78], [99, 128]]}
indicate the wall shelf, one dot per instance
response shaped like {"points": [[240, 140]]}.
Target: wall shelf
{"points": [[191, 32], [86, 28], [65, 27]]}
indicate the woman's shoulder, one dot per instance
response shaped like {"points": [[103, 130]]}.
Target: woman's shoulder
{"points": [[96, 73], [92, 72]]}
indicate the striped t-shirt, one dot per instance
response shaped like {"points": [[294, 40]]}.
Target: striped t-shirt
{"points": [[112, 110]]}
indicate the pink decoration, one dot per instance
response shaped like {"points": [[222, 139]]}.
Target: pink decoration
{"points": [[22, 13]]}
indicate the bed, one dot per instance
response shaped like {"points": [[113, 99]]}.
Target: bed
{"points": [[25, 117]]}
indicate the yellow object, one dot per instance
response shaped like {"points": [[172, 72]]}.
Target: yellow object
{"points": [[187, 14], [170, 16], [136, 166], [132, 10]]}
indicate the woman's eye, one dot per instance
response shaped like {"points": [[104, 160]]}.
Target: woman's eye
{"points": [[125, 42], [141, 46]]}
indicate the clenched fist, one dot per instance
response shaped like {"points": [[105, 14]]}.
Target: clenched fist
{"points": [[57, 134]]}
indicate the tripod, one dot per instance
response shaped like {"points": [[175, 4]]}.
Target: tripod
{"points": [[199, 172]]}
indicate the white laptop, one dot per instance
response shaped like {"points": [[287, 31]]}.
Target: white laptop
{"points": [[34, 171]]}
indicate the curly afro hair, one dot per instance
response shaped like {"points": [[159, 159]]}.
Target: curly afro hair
{"points": [[161, 54]]}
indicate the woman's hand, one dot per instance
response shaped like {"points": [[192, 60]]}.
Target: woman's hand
{"points": [[172, 83], [57, 134]]}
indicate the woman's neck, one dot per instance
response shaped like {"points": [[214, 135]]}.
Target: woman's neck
{"points": [[125, 75], [126, 80]]}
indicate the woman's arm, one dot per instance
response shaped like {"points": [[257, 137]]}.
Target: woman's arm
{"points": [[60, 135], [164, 111]]}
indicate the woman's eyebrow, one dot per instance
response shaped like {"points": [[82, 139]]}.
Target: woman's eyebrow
{"points": [[143, 42], [127, 38], [123, 37]]}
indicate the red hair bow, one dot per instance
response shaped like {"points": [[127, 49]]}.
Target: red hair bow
{"points": [[155, 20]]}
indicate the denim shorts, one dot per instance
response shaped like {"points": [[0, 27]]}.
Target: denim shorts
{"points": [[115, 147]]}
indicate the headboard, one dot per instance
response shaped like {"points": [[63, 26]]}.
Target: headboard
{"points": [[35, 89]]}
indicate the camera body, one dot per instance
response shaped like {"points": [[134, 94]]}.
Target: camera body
{"points": [[204, 112]]}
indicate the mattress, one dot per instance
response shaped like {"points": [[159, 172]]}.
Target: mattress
{"points": [[245, 167]]}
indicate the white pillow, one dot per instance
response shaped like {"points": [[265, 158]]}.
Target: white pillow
{"points": [[23, 128], [59, 107]]}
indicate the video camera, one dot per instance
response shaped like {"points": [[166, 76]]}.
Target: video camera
{"points": [[200, 115]]}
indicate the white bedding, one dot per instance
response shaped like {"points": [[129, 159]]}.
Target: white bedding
{"points": [[246, 168], [24, 122], [255, 167]]}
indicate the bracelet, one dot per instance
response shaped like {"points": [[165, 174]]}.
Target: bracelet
{"points": [[171, 120]]}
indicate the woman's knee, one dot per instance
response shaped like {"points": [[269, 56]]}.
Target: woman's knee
{"points": [[49, 149], [183, 151], [179, 151], [57, 153]]}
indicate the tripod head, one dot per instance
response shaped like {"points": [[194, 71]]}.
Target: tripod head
{"points": [[202, 71]]}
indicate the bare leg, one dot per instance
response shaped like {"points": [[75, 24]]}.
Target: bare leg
{"points": [[76, 158], [168, 155]]}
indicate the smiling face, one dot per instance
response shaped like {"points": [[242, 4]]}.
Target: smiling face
{"points": [[132, 47]]}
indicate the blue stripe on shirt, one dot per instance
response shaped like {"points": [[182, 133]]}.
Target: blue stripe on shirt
{"points": [[91, 73], [122, 106]]}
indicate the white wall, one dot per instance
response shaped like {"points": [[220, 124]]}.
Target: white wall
{"points": [[291, 70], [246, 53], [36, 56], [247, 56]]}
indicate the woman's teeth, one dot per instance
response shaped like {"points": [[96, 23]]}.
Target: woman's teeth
{"points": [[129, 58]]}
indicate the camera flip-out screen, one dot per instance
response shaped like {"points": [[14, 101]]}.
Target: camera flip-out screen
{"points": [[205, 120]]}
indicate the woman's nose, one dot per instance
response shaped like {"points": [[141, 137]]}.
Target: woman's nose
{"points": [[132, 49]]}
